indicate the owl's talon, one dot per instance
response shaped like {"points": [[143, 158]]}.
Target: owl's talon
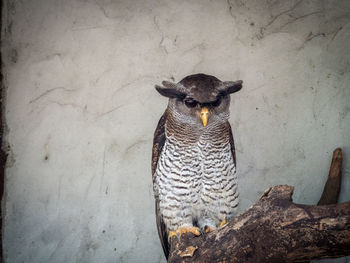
{"points": [[172, 233], [223, 222], [182, 230]]}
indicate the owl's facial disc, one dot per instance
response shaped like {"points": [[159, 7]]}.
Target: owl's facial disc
{"points": [[203, 109], [204, 115]]}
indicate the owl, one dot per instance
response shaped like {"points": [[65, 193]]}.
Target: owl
{"points": [[193, 158]]}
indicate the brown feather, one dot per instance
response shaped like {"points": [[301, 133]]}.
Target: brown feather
{"points": [[158, 142]]}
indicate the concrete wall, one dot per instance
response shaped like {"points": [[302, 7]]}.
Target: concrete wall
{"points": [[81, 110]]}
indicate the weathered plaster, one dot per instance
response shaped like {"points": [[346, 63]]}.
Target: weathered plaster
{"points": [[81, 111]]}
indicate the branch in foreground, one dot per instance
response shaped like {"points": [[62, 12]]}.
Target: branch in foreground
{"points": [[273, 230]]}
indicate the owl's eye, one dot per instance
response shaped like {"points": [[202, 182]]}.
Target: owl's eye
{"points": [[191, 103], [217, 102]]}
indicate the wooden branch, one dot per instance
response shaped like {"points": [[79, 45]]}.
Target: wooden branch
{"points": [[332, 187], [273, 230], [277, 230]]}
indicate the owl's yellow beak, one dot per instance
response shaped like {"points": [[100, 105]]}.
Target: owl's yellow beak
{"points": [[204, 116]]}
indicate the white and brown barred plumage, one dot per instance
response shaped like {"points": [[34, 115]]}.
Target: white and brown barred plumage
{"points": [[194, 164]]}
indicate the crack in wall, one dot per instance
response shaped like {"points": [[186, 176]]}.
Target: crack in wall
{"points": [[45, 93], [274, 18]]}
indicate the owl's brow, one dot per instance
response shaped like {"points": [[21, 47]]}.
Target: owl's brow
{"points": [[211, 103], [219, 96], [181, 96]]}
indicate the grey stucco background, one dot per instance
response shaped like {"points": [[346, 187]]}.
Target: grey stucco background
{"points": [[81, 111]]}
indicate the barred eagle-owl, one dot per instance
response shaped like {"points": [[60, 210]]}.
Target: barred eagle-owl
{"points": [[193, 157]]}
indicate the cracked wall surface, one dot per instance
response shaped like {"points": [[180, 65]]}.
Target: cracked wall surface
{"points": [[81, 110]]}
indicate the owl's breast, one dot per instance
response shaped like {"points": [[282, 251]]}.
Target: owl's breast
{"points": [[177, 170], [195, 181], [195, 168]]}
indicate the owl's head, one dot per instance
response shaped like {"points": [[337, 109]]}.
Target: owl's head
{"points": [[199, 99]]}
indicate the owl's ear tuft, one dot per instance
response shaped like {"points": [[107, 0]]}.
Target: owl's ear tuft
{"points": [[230, 87], [170, 90]]}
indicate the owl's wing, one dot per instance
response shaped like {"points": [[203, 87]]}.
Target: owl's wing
{"points": [[232, 144], [158, 143]]}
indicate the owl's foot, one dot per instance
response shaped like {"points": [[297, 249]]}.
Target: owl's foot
{"points": [[182, 230], [223, 222]]}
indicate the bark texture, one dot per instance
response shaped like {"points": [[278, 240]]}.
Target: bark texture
{"points": [[273, 230]]}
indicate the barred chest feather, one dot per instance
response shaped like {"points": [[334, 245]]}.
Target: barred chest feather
{"points": [[196, 184]]}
